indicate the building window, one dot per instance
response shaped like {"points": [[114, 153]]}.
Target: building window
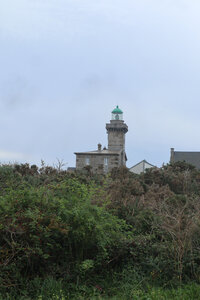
{"points": [[105, 161], [87, 161], [105, 164]]}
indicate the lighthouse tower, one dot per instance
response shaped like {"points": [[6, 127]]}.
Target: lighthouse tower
{"points": [[104, 160], [116, 131]]}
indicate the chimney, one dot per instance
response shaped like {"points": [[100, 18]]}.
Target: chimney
{"points": [[99, 147], [172, 155]]}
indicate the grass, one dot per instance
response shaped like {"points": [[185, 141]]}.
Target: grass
{"points": [[51, 289]]}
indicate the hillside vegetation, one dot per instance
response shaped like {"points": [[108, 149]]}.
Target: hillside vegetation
{"points": [[86, 236]]}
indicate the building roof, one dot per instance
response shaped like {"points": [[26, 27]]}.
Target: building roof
{"points": [[97, 152], [117, 110], [190, 157], [71, 169], [141, 167], [144, 162]]}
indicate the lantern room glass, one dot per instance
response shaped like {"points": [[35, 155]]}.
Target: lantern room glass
{"points": [[116, 116]]}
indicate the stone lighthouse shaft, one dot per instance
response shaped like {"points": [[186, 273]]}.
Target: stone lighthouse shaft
{"points": [[116, 131]]}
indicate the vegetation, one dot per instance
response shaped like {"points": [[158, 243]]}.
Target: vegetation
{"points": [[86, 236]]}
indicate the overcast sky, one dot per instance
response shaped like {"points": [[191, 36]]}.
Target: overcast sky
{"points": [[65, 64]]}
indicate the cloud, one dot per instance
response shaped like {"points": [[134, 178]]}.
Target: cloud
{"points": [[15, 91], [42, 19], [9, 155], [66, 63]]}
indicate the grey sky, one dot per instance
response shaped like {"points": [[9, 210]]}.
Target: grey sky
{"points": [[65, 64]]}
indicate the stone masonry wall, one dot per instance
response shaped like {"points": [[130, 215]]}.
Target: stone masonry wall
{"points": [[96, 161], [116, 140]]}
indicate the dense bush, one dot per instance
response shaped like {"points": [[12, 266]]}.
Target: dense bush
{"points": [[53, 229], [89, 230]]}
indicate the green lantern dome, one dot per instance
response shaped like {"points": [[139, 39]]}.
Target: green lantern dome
{"points": [[117, 110], [117, 114]]}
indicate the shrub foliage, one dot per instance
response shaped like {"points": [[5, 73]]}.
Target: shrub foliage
{"points": [[77, 227]]}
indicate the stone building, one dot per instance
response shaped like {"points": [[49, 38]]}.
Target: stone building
{"points": [[104, 160], [190, 157]]}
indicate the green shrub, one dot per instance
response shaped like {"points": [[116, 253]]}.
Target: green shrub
{"points": [[55, 230]]}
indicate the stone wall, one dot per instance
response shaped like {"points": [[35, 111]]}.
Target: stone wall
{"points": [[116, 140], [116, 131], [97, 162]]}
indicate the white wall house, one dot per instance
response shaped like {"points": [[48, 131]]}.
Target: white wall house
{"points": [[141, 167]]}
